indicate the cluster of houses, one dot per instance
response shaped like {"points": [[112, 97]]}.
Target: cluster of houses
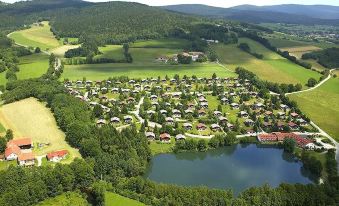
{"points": [[302, 142], [21, 150], [174, 58]]}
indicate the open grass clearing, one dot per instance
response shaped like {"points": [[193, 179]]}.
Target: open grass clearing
{"points": [[36, 36], [272, 68], [160, 148], [111, 51], [112, 199], [65, 199], [30, 118], [321, 105], [33, 66], [172, 43], [104, 71], [60, 51]]}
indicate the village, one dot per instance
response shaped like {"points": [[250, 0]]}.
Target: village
{"points": [[170, 109]]}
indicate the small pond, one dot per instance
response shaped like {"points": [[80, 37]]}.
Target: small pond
{"points": [[236, 167]]}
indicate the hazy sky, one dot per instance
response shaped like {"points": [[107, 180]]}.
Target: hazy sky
{"points": [[225, 3]]}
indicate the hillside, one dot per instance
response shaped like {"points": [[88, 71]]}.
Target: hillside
{"points": [[255, 14]]}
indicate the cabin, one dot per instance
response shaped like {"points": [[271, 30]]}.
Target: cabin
{"points": [[249, 122], [243, 114], [150, 136], [293, 126], [187, 126], [201, 127], [165, 138], [128, 119], [169, 120], [217, 113], [180, 137], [176, 113], [215, 127], [57, 156], [115, 120]]}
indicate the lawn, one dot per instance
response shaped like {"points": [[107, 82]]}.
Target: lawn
{"points": [[36, 36], [5, 164], [104, 71], [66, 199], [321, 105], [31, 118], [112, 199], [273, 67], [159, 148]]}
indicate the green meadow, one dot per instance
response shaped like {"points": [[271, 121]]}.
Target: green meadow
{"points": [[272, 68], [111, 51], [65, 199], [161, 43], [112, 199], [36, 36], [321, 105]]}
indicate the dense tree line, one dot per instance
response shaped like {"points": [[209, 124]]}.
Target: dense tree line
{"points": [[327, 57], [246, 48]]}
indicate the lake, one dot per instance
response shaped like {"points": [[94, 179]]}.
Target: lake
{"points": [[236, 167]]}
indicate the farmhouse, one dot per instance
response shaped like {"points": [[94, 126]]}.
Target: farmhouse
{"points": [[25, 143], [26, 159], [57, 156], [12, 152]]}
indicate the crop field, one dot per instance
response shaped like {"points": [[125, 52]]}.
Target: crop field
{"points": [[321, 105], [112, 199], [272, 68], [36, 36], [30, 118]]}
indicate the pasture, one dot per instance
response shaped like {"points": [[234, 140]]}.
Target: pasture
{"points": [[65, 199], [104, 71], [112, 199], [272, 68], [30, 118], [171, 43], [36, 36], [111, 51], [321, 105], [32, 66]]}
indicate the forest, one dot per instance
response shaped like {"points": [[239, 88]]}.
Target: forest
{"points": [[327, 57]]}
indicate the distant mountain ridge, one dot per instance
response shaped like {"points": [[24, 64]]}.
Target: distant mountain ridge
{"points": [[294, 14]]}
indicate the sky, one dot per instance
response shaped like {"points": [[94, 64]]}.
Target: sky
{"points": [[224, 3]]}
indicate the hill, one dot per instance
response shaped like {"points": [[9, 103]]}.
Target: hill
{"points": [[256, 14]]}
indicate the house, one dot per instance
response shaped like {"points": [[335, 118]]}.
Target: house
{"points": [[165, 137], [224, 100], [294, 115], [154, 97], [235, 105], [302, 122], [188, 111], [217, 113], [223, 120], [57, 156], [215, 127], [169, 120], [201, 113], [130, 100], [24, 143], [101, 122], [201, 127], [162, 59], [268, 113], [176, 113], [281, 115], [12, 152], [180, 137], [284, 107], [267, 124], [115, 120], [243, 114], [163, 112], [150, 135], [187, 126], [204, 105], [293, 126], [258, 106], [249, 122], [128, 119], [26, 159]]}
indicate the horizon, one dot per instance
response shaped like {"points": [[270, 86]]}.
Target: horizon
{"points": [[222, 3]]}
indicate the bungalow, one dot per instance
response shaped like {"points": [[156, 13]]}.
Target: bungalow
{"points": [[26, 159], [180, 137], [150, 135], [190, 105], [215, 127], [230, 126], [154, 97], [258, 106], [201, 113], [249, 122], [294, 115], [101, 122], [188, 111], [224, 100], [128, 119], [281, 115], [165, 137], [169, 120], [217, 113], [223, 120], [243, 114], [204, 105], [302, 122], [57, 156], [201, 127], [147, 87], [284, 107], [187, 126], [115, 90], [293, 126], [115, 120], [163, 112], [176, 113], [268, 113], [235, 105]]}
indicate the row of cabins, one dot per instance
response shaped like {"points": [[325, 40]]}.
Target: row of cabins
{"points": [[280, 137], [21, 151], [164, 137], [115, 120]]}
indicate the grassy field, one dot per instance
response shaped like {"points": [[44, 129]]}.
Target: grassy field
{"points": [[112, 199], [272, 68], [60, 51], [66, 199], [321, 105], [103, 71], [159, 148], [162, 43], [111, 51], [36, 36], [30, 118]]}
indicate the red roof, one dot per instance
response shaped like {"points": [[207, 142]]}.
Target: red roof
{"points": [[26, 156], [20, 142], [12, 149], [165, 136], [60, 153], [278, 136], [201, 125]]}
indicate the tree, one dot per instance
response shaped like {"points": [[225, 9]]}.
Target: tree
{"points": [[3, 143], [37, 50], [289, 145], [9, 135], [311, 82], [97, 111], [202, 145], [98, 192]]}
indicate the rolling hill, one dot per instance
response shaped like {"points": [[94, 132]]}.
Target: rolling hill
{"points": [[310, 15]]}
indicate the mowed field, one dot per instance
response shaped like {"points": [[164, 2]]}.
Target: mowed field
{"points": [[112, 199], [272, 68], [322, 106], [144, 64], [30, 118], [36, 36]]}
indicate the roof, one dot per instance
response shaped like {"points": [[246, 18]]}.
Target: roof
{"points": [[12, 149], [26, 156], [165, 136], [20, 142], [201, 125], [59, 153]]}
